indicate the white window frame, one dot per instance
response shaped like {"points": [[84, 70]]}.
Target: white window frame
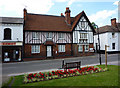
{"points": [[34, 35], [61, 48], [80, 48], [35, 49], [49, 35], [83, 35], [61, 36], [85, 48]]}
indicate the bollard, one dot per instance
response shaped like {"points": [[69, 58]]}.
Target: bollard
{"points": [[63, 63]]}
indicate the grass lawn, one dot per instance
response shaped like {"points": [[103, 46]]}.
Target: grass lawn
{"points": [[107, 78]]}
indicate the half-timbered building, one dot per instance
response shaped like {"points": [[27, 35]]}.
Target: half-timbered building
{"points": [[56, 36], [83, 32]]}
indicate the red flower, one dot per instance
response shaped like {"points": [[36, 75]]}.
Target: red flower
{"points": [[49, 74]]}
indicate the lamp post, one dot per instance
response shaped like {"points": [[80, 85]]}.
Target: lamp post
{"points": [[106, 55], [98, 43]]}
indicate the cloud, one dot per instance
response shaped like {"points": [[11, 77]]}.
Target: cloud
{"points": [[70, 2], [116, 3], [101, 16], [61, 0], [9, 7]]}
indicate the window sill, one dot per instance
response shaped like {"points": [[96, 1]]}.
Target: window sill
{"points": [[35, 38], [7, 39], [80, 51], [86, 51], [49, 39], [35, 52], [61, 52], [61, 38]]}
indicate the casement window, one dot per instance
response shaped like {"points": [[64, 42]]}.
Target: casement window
{"points": [[113, 45], [61, 48], [80, 48], [35, 49], [113, 35], [34, 35], [86, 47], [49, 35], [7, 34], [61, 36], [83, 35], [83, 38]]}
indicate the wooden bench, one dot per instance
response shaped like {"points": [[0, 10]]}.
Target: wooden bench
{"points": [[71, 65]]}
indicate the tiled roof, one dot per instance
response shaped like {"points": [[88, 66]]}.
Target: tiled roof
{"points": [[76, 19], [109, 28], [39, 22], [46, 23], [11, 20]]}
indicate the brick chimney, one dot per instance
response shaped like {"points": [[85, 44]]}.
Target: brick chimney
{"points": [[25, 13], [113, 22], [67, 15], [62, 14]]}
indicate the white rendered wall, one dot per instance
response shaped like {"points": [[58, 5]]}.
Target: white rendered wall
{"points": [[112, 40], [103, 40], [106, 39], [16, 32], [118, 41]]}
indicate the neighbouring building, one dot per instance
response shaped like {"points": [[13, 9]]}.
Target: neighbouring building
{"points": [[11, 38], [57, 36], [109, 35]]}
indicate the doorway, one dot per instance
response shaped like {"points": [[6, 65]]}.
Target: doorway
{"points": [[49, 51]]}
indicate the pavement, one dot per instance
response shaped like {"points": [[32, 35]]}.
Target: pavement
{"points": [[19, 68]]}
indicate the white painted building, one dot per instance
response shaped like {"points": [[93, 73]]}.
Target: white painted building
{"points": [[11, 38], [109, 35]]}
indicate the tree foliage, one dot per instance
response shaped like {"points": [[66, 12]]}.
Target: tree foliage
{"points": [[94, 25]]}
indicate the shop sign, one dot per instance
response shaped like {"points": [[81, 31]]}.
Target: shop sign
{"points": [[6, 43]]}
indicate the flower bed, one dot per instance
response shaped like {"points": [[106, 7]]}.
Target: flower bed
{"points": [[42, 76]]}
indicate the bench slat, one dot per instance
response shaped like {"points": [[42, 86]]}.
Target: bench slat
{"points": [[72, 65]]}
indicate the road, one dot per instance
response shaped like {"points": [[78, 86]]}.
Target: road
{"points": [[34, 66]]}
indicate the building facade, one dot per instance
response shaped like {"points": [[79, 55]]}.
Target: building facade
{"points": [[11, 38], [48, 36], [109, 35], [83, 37]]}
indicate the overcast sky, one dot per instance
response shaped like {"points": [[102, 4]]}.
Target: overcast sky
{"points": [[98, 11]]}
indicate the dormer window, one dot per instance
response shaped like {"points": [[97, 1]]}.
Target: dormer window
{"points": [[49, 35], [7, 34], [61, 36], [35, 35]]}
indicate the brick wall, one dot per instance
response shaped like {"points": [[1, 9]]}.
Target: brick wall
{"points": [[76, 53], [42, 54], [28, 54]]}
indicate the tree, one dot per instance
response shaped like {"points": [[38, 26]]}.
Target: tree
{"points": [[94, 25]]}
